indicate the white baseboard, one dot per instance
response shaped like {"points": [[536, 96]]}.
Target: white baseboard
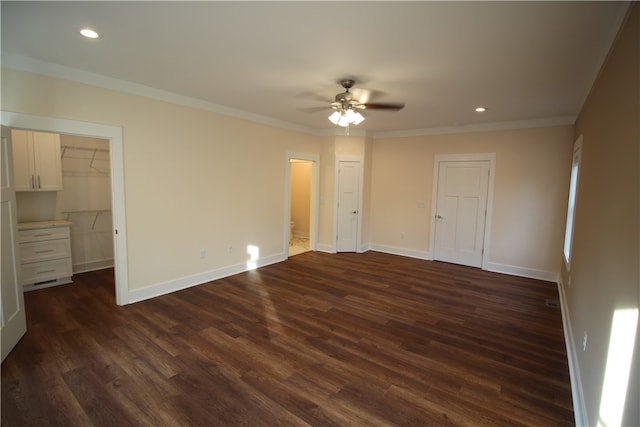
{"points": [[393, 250], [92, 266], [579, 406], [531, 273], [321, 247], [198, 279]]}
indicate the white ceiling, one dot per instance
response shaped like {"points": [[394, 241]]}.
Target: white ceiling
{"points": [[525, 61]]}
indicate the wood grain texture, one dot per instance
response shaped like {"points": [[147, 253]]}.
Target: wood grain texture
{"points": [[318, 340]]}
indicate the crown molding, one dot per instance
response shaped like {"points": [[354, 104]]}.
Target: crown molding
{"points": [[481, 127], [27, 64], [24, 63]]}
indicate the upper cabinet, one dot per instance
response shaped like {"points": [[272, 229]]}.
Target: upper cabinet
{"points": [[36, 161]]}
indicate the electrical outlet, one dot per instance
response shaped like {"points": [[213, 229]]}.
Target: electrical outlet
{"points": [[401, 236], [203, 254], [584, 342]]}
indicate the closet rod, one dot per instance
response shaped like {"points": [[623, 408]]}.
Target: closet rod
{"points": [[75, 147]]}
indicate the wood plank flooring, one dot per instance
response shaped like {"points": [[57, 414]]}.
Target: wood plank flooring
{"points": [[318, 340]]}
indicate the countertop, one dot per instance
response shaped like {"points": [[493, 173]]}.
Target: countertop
{"points": [[43, 224]]}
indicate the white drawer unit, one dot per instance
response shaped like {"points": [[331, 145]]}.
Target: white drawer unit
{"points": [[45, 254]]}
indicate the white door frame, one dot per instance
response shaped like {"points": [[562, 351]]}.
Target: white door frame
{"points": [[336, 189], [314, 198], [114, 135], [491, 158]]}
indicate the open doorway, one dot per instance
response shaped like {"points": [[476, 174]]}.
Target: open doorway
{"points": [[113, 137], [301, 203], [299, 206]]}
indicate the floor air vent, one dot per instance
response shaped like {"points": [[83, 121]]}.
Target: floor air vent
{"points": [[553, 303]]}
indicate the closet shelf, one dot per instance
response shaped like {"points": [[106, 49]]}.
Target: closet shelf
{"points": [[96, 212], [93, 170]]}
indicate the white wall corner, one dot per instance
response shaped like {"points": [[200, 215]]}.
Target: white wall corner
{"points": [[323, 247]]}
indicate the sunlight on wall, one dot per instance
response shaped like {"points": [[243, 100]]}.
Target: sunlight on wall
{"points": [[616, 377], [254, 254]]}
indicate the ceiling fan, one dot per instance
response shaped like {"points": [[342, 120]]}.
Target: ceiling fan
{"points": [[346, 105]]}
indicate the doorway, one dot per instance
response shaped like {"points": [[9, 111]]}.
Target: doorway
{"points": [[301, 203], [300, 206], [113, 135], [462, 199]]}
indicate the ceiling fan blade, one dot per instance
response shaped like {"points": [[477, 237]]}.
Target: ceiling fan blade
{"points": [[314, 109], [313, 97], [365, 95], [384, 106]]}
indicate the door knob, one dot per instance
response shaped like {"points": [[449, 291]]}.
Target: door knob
{"points": [[355, 212], [438, 217]]}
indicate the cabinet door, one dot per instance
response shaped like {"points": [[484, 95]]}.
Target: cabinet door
{"points": [[23, 162], [47, 161]]}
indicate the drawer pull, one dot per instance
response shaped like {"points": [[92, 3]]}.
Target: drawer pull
{"points": [[44, 251], [46, 272], [43, 234]]}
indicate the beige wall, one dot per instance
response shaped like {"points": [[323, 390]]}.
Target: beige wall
{"points": [[301, 196], [530, 193], [194, 180], [605, 263]]}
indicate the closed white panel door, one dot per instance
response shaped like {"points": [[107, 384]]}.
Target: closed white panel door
{"points": [[348, 202], [461, 212], [13, 324]]}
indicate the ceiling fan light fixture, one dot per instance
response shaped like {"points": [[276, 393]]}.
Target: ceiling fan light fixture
{"points": [[346, 117]]}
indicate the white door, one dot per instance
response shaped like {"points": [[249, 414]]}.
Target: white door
{"points": [[12, 317], [461, 207], [348, 202]]}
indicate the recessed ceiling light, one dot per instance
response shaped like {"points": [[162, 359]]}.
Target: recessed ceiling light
{"points": [[89, 33], [481, 109]]}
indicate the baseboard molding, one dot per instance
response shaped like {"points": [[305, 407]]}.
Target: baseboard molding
{"points": [[530, 273], [579, 406], [393, 250], [320, 247], [92, 266], [198, 279]]}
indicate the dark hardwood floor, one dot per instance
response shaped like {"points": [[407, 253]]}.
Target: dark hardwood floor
{"points": [[319, 340]]}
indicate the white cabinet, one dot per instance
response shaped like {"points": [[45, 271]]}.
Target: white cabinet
{"points": [[45, 254], [36, 161]]}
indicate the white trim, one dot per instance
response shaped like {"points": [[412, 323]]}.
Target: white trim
{"points": [[514, 270], [577, 393], [323, 247], [114, 135], [394, 250], [481, 127], [466, 157], [576, 159], [92, 266], [336, 188], [364, 247], [201, 278], [314, 197], [23, 63]]}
